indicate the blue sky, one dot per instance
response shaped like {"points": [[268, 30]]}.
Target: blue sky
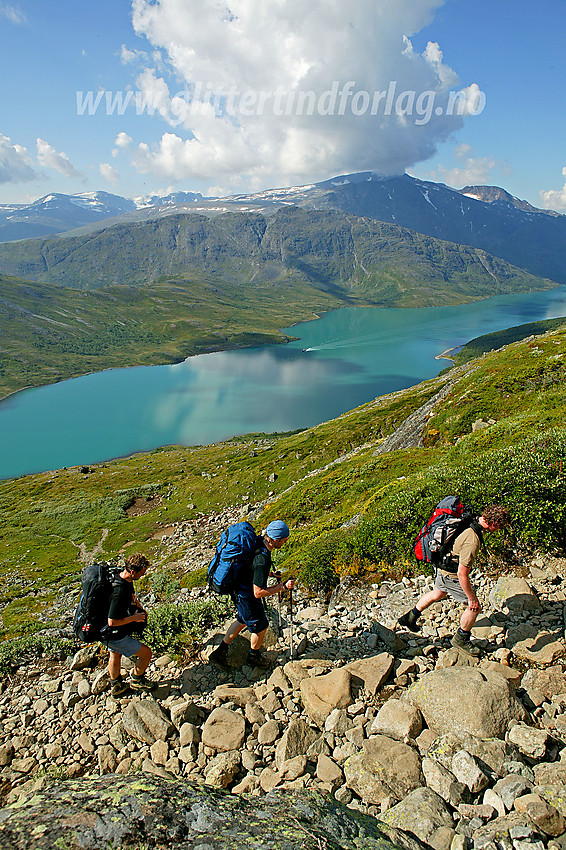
{"points": [[276, 60]]}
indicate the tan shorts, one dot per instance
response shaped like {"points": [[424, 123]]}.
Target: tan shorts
{"points": [[448, 582]]}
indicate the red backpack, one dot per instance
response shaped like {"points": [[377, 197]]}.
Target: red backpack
{"points": [[437, 536]]}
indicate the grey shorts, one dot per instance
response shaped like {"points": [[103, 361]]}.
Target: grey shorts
{"points": [[450, 585], [128, 646]]}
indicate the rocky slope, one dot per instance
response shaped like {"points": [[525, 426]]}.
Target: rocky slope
{"points": [[397, 727]]}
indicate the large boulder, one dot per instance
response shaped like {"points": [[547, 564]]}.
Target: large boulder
{"points": [[145, 720], [385, 768], [224, 730], [467, 699], [422, 812], [511, 593], [322, 694], [149, 811]]}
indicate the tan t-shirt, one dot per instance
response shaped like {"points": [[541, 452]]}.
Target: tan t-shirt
{"points": [[466, 547]]}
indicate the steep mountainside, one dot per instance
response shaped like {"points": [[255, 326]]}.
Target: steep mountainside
{"points": [[531, 239], [335, 251], [485, 217]]}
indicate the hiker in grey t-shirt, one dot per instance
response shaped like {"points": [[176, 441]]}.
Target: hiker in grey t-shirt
{"points": [[454, 579]]}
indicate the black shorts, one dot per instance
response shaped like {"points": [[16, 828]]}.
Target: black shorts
{"points": [[251, 613]]}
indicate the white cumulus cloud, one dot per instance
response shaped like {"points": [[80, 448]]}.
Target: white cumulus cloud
{"points": [[50, 158], [554, 199], [473, 170], [281, 91], [15, 163], [121, 143], [109, 172]]}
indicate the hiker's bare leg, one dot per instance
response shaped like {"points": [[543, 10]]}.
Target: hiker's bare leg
{"points": [[143, 657], [114, 664], [468, 619], [233, 631], [427, 599], [257, 640]]}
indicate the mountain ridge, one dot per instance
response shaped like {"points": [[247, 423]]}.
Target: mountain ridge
{"points": [[323, 246], [478, 216]]}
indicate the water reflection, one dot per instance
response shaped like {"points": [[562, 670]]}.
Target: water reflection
{"points": [[340, 361]]}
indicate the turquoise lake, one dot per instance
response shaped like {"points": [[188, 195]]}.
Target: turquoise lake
{"points": [[342, 360]]}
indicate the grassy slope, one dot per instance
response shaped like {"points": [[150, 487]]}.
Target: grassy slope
{"points": [[489, 342], [49, 333], [47, 516], [224, 299]]}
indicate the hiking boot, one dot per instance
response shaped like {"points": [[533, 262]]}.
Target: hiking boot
{"points": [[257, 659], [118, 687], [410, 621], [466, 645], [220, 656], [142, 683]]}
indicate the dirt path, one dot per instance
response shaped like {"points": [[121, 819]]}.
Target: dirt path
{"points": [[88, 557]]}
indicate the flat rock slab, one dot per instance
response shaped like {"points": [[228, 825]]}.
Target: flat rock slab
{"points": [[512, 675], [372, 672], [155, 813], [538, 647], [239, 696]]}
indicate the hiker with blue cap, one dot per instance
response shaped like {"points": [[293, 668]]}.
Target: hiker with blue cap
{"points": [[250, 591]]}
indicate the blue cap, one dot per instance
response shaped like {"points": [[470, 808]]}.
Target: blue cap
{"points": [[277, 530]]}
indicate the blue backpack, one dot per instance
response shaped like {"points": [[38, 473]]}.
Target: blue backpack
{"points": [[235, 550]]}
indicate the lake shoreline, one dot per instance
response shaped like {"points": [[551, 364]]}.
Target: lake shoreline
{"points": [[354, 356]]}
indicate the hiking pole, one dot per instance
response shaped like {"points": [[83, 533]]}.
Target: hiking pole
{"points": [[291, 648], [279, 623]]}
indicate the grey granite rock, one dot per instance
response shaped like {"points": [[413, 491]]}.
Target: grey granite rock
{"points": [[157, 814]]}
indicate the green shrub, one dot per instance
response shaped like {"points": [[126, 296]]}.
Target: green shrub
{"points": [[172, 626], [165, 585], [196, 578], [317, 570], [529, 478], [14, 653]]}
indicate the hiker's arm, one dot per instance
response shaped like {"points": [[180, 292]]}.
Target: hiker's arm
{"points": [[260, 592], [464, 579], [138, 617]]}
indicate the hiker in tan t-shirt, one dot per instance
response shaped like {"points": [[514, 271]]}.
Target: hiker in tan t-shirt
{"points": [[454, 578]]}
